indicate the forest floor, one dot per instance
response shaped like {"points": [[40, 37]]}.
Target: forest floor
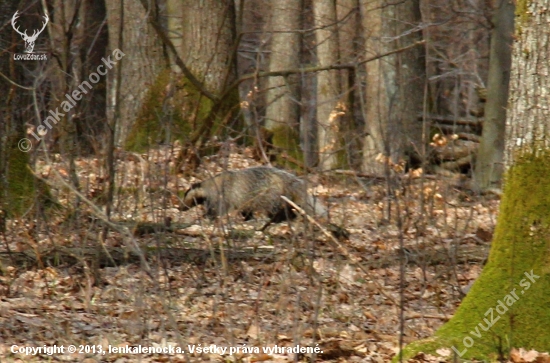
{"points": [[273, 296]]}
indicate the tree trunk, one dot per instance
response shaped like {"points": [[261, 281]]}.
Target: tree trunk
{"points": [[207, 45], [19, 190], [283, 95], [394, 83], [143, 62], [490, 158], [329, 107], [349, 29], [174, 20], [193, 105], [528, 118], [78, 41], [507, 306]]}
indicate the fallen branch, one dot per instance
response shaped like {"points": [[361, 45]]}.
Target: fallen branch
{"points": [[115, 256], [450, 120], [426, 316], [457, 164]]}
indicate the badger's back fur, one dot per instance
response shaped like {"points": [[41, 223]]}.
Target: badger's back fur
{"points": [[251, 190]]}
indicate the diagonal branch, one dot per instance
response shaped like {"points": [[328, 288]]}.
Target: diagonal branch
{"points": [[160, 32]]}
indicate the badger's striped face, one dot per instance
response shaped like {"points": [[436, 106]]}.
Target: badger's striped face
{"points": [[193, 196]]}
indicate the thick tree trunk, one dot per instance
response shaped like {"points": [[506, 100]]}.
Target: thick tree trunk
{"points": [[490, 157], [207, 44], [507, 306], [528, 118], [329, 107], [283, 95], [189, 106], [64, 35], [143, 62], [394, 83]]}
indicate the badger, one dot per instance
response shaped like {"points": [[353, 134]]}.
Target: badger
{"points": [[257, 189]]}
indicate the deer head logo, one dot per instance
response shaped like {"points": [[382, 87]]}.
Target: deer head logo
{"points": [[29, 40]]}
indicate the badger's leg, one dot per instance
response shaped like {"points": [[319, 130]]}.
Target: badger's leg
{"points": [[211, 213], [247, 214], [266, 225], [284, 214]]}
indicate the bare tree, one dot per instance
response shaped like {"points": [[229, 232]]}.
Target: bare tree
{"points": [[490, 157], [283, 111], [329, 107], [207, 45], [350, 49], [394, 83], [145, 61]]}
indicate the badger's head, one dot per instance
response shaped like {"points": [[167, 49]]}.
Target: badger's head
{"points": [[193, 196]]}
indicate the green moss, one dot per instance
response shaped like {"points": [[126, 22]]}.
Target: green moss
{"points": [[20, 184], [521, 244], [225, 121], [174, 109], [22, 189], [342, 157], [171, 105], [286, 140], [522, 15]]}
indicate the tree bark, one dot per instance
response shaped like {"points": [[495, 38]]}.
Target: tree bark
{"points": [[394, 83], [143, 63], [528, 118], [329, 107], [174, 21], [490, 158], [207, 44], [283, 95], [349, 29]]}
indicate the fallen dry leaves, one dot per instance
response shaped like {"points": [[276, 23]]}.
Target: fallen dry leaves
{"points": [[301, 291]]}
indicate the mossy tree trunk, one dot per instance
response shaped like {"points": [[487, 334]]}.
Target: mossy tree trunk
{"points": [[194, 102], [283, 95], [208, 48], [19, 190], [509, 305], [17, 184]]}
